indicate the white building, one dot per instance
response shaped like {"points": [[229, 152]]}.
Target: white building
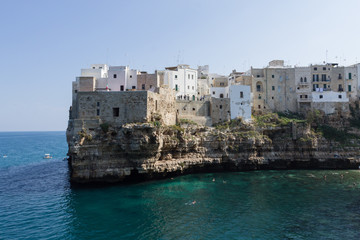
{"points": [[183, 80], [240, 102], [122, 78], [219, 92]]}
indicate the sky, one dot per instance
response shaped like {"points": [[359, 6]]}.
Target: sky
{"points": [[44, 44]]}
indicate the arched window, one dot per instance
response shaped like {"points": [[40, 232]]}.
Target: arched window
{"points": [[259, 87], [304, 79], [301, 79]]}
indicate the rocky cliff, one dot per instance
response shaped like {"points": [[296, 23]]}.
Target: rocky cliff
{"points": [[135, 152]]}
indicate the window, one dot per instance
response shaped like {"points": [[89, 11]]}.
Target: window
{"points": [[192, 87], [221, 84], [188, 87], [300, 96], [241, 95], [97, 112], [130, 76], [272, 97], [194, 109], [321, 96], [192, 76], [349, 88], [324, 86], [122, 88], [349, 75], [340, 88], [301, 79], [306, 96], [115, 112], [272, 76], [175, 76], [150, 86], [259, 106], [258, 88], [176, 87], [323, 77], [143, 86], [93, 67], [75, 91], [324, 68], [213, 93], [315, 68], [188, 76], [115, 76], [221, 95], [259, 96], [340, 96], [98, 104], [273, 88], [133, 87], [220, 106], [340, 77], [257, 76], [305, 79]]}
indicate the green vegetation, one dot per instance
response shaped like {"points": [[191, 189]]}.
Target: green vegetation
{"points": [[335, 134], [84, 134], [177, 128], [187, 121], [156, 123], [233, 123], [105, 127]]}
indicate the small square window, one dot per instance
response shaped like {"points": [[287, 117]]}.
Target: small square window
{"points": [[321, 96], [257, 76], [324, 68], [315, 68], [115, 76], [115, 112], [133, 87]]}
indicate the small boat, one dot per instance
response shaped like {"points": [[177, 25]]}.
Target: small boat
{"points": [[47, 156], [4, 156]]}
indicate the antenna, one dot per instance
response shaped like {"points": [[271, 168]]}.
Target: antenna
{"points": [[326, 58]]}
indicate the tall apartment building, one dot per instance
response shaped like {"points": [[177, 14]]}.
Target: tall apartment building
{"points": [[183, 80]]}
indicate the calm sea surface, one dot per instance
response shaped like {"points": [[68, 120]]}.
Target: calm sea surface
{"points": [[37, 202]]}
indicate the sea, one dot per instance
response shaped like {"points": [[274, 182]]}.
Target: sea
{"points": [[38, 202]]}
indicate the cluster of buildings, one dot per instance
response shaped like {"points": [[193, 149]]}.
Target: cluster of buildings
{"points": [[121, 95]]}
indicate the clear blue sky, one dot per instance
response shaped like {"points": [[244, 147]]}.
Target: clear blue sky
{"points": [[44, 44]]}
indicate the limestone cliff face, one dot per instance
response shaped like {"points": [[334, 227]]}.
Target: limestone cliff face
{"points": [[144, 151]]}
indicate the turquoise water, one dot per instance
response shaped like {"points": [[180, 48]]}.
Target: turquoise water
{"points": [[37, 202]]}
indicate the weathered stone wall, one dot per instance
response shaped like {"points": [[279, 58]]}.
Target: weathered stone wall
{"points": [[86, 84], [220, 110], [161, 106], [146, 81], [195, 108], [132, 106]]}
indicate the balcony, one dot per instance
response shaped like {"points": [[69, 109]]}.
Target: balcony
{"points": [[303, 83], [303, 99]]}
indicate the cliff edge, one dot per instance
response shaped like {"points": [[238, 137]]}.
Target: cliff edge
{"points": [[143, 151]]}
